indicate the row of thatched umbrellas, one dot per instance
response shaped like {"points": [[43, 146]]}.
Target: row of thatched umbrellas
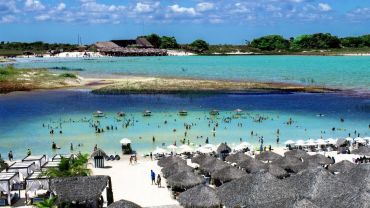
{"points": [[264, 181]]}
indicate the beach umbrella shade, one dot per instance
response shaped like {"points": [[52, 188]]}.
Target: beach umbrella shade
{"points": [[367, 139], [360, 140], [202, 159], [175, 168], [277, 171], [185, 148], [223, 148], [125, 141], [289, 142], [350, 139], [341, 167], [331, 141], [290, 163], [204, 150], [253, 166], [200, 196], [99, 152], [209, 146], [212, 166], [238, 157], [255, 190], [363, 150], [123, 204], [320, 159], [268, 156], [227, 174], [184, 180], [159, 151], [321, 142], [172, 147], [299, 143], [168, 161], [341, 142], [297, 153], [243, 146], [310, 142]]}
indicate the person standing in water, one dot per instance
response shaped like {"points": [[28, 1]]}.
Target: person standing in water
{"points": [[29, 152], [10, 155]]}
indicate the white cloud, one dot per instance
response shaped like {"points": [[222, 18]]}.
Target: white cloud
{"points": [[204, 6], [324, 7], [43, 17], [61, 6], [145, 7], [33, 5], [182, 10], [7, 19], [92, 6]]}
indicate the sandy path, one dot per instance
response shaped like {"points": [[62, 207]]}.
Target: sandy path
{"points": [[132, 182]]}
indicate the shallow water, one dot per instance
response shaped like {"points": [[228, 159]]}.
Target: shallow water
{"points": [[23, 115], [345, 72]]}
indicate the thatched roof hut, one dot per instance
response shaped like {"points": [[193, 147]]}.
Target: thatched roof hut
{"points": [[277, 171], [98, 153], [363, 150], [268, 156], [212, 166], [123, 204], [184, 180], [227, 174], [342, 166], [202, 159], [253, 166], [256, 190], [359, 176], [168, 161], [201, 196], [223, 148], [175, 168], [238, 157], [87, 189], [304, 203], [297, 153], [290, 164], [320, 159]]}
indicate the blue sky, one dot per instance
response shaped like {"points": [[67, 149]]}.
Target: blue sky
{"points": [[217, 21]]}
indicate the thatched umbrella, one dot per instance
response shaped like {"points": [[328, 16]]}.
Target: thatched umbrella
{"points": [[175, 168], [213, 166], [304, 203], [98, 153], [123, 204], [227, 174], [342, 166], [223, 148], [290, 163], [184, 180], [202, 159], [201, 196], [364, 150], [253, 166], [297, 153], [268, 156], [168, 161], [277, 171], [238, 157], [320, 159], [255, 190]]}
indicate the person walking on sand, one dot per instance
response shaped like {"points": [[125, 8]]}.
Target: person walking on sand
{"points": [[159, 179], [152, 175], [151, 156]]}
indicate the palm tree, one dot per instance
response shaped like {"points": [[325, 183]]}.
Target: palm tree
{"points": [[70, 167]]}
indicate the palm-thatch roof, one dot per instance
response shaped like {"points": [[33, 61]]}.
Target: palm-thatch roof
{"points": [[364, 150], [175, 168], [296, 153], [253, 166], [202, 159], [212, 166], [256, 190], [167, 161], [304, 203], [238, 157], [98, 152], [201, 196], [184, 180], [268, 156], [342, 166], [123, 204], [79, 189], [290, 164], [320, 159], [227, 174], [223, 148], [359, 176], [277, 171]]}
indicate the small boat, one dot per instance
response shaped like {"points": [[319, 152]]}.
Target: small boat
{"points": [[121, 114], [214, 113], [147, 113], [98, 114], [183, 113]]}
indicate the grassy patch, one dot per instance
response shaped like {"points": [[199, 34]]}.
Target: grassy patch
{"points": [[7, 72], [68, 75]]}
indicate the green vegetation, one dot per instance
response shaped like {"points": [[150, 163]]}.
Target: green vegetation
{"points": [[68, 75], [316, 41], [155, 40], [270, 43], [70, 167], [163, 42], [199, 46], [20, 48], [47, 203], [7, 72], [3, 164]]}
